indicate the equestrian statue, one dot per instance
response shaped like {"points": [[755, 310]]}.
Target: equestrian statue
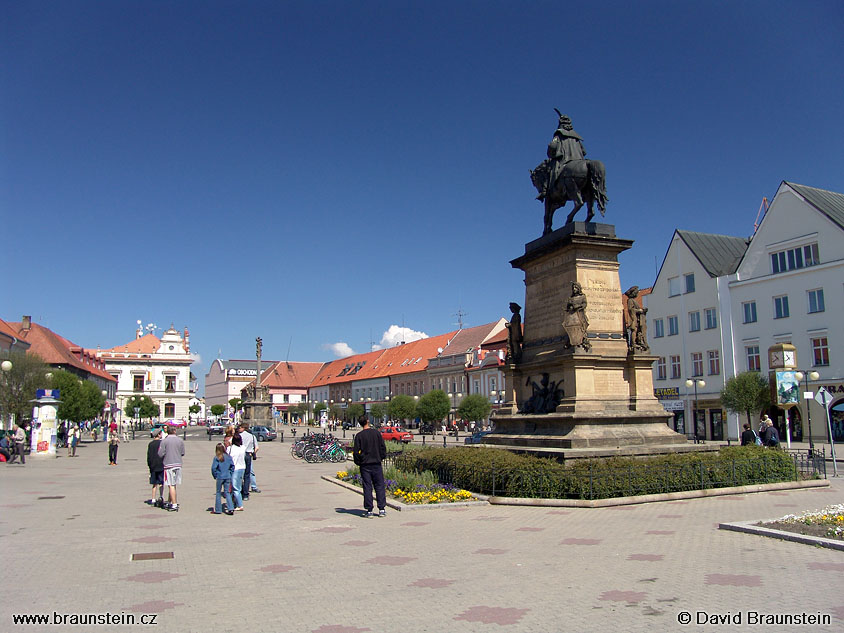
{"points": [[566, 176]]}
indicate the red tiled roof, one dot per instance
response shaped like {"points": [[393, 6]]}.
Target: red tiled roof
{"points": [[290, 375], [147, 344], [330, 372], [471, 338], [410, 357], [57, 350]]}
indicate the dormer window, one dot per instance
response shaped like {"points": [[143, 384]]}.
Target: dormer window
{"points": [[794, 258]]}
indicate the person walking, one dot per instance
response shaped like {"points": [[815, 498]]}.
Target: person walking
{"points": [[770, 437], [748, 437], [113, 442], [171, 450], [19, 440], [222, 468], [156, 470], [249, 447], [237, 453], [368, 453], [72, 440]]}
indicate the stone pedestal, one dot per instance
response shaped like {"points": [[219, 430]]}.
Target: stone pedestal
{"points": [[256, 412], [607, 404]]}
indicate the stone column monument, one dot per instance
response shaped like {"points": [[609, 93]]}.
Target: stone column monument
{"points": [[257, 408]]}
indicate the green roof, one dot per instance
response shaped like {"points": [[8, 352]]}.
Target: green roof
{"points": [[829, 203], [718, 254]]}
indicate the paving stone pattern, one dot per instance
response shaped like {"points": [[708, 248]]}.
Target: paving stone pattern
{"points": [[312, 563]]}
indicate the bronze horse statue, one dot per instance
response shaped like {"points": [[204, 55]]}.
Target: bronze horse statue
{"points": [[584, 177]]}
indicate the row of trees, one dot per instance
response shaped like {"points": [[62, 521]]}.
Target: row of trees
{"points": [[432, 407]]}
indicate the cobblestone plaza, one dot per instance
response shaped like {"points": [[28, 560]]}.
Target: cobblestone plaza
{"points": [[300, 558]]}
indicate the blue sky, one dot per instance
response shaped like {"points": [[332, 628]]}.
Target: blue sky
{"points": [[316, 172]]}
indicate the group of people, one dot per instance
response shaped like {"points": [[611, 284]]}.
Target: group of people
{"points": [[767, 436], [233, 470], [164, 460]]}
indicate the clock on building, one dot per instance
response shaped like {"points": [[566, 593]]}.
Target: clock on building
{"points": [[782, 356]]}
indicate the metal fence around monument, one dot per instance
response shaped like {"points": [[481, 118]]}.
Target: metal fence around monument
{"points": [[594, 481]]}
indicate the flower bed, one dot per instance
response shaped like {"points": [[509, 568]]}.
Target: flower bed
{"points": [[412, 492], [826, 523]]}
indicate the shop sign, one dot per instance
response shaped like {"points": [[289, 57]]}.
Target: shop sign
{"points": [[839, 388], [242, 372], [667, 393], [673, 405]]}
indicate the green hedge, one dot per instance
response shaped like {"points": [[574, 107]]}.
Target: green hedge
{"points": [[500, 472]]}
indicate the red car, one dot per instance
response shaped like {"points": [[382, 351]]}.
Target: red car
{"points": [[179, 424], [395, 433]]}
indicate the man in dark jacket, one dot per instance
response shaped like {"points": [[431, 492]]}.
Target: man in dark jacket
{"points": [[156, 470], [771, 436], [369, 452]]}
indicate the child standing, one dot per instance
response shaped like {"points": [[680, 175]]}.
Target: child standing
{"points": [[222, 468]]}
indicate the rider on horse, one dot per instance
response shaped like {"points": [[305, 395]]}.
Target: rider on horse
{"points": [[565, 146]]}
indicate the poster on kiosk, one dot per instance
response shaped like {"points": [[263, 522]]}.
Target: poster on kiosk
{"points": [[44, 422]]}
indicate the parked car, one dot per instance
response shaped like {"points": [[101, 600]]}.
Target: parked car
{"points": [[349, 424], [475, 438], [218, 427], [263, 433], [179, 424], [395, 433]]}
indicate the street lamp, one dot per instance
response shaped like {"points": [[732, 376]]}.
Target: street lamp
{"points": [[6, 367], [808, 375], [695, 382]]}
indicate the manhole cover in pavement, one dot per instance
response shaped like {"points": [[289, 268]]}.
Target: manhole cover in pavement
{"points": [[152, 555], [56, 497]]}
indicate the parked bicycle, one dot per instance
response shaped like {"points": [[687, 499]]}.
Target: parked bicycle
{"points": [[318, 447]]}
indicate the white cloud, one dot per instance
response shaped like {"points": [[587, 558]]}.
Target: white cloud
{"points": [[395, 334], [340, 350], [196, 358]]}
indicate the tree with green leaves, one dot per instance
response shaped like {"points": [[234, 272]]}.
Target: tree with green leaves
{"points": [[336, 412], [80, 399], [194, 408], [433, 406], [148, 409], [402, 407], [378, 410], [18, 386], [218, 409], [747, 393], [474, 408], [235, 403], [355, 411]]}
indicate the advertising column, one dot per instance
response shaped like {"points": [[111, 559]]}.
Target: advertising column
{"points": [[44, 422]]}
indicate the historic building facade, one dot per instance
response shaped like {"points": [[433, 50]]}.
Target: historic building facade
{"points": [[154, 367]]}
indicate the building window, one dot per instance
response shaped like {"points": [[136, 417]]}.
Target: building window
{"points": [[170, 384], [675, 367], [795, 258], [752, 354], [694, 321], [673, 326], [169, 410], [749, 309], [660, 368], [673, 286], [690, 282], [714, 362], [820, 351], [138, 382], [816, 300], [711, 318], [697, 364], [781, 307], [659, 328]]}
